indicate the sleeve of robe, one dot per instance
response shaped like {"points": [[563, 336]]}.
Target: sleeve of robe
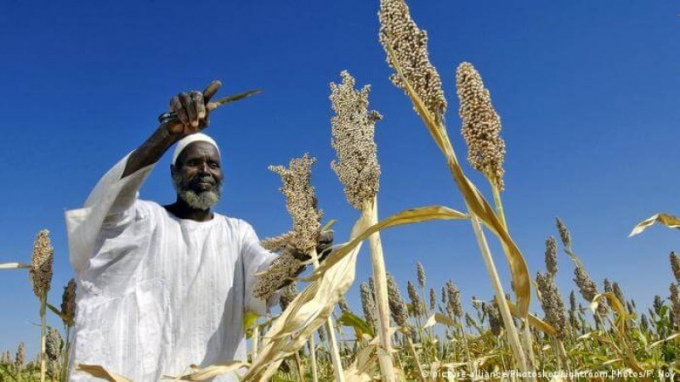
{"points": [[110, 202], [256, 259]]}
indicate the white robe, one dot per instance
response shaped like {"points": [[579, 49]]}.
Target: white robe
{"points": [[158, 293]]}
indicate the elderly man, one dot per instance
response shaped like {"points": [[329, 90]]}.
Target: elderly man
{"points": [[164, 287]]}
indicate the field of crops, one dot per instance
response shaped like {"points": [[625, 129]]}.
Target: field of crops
{"points": [[417, 331]]}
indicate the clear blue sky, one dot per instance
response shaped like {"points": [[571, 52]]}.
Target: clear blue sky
{"points": [[587, 92]]}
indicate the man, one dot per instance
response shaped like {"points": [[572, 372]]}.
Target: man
{"points": [[164, 287]]}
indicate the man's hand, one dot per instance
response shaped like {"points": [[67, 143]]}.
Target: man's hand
{"points": [[323, 249], [192, 111]]}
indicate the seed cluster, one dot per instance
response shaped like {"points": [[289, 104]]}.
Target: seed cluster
{"points": [[416, 301], [277, 243], [675, 266], [454, 306], [400, 34], [53, 344], [20, 358], [282, 269], [68, 302], [433, 299], [367, 303], [675, 303], [493, 313], [551, 255], [396, 302], [41, 266], [421, 274], [301, 202], [564, 233], [481, 125], [588, 288], [552, 304], [353, 130]]}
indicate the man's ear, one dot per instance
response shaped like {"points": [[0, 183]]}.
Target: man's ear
{"points": [[173, 169]]}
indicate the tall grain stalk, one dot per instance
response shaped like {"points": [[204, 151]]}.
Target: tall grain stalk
{"points": [[335, 351], [406, 46], [40, 274], [353, 129], [302, 206]]}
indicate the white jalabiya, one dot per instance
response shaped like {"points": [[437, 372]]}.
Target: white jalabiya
{"points": [[158, 293]]}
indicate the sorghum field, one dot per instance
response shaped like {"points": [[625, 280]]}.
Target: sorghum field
{"points": [[414, 331]]}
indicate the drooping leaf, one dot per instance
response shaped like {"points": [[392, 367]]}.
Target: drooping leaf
{"points": [[534, 321], [414, 215], [668, 220], [209, 372], [439, 318]]}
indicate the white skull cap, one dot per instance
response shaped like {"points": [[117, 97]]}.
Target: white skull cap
{"points": [[189, 139]]}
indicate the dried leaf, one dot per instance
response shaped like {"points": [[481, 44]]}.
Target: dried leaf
{"points": [[414, 215], [439, 318], [60, 314], [534, 321], [99, 371], [15, 266], [668, 220], [205, 373], [614, 303], [669, 338]]}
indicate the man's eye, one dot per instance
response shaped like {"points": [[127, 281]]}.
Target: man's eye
{"points": [[214, 165]]}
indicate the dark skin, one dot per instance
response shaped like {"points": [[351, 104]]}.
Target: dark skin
{"points": [[199, 163]]}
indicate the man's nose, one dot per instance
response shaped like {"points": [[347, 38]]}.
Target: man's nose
{"points": [[204, 168]]}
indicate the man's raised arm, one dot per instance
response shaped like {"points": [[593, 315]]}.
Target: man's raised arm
{"points": [[192, 116]]}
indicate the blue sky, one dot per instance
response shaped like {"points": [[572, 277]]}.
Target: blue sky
{"points": [[587, 92]]}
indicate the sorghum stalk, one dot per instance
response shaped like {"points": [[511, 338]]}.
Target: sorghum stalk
{"points": [[353, 129], [513, 337], [40, 274], [370, 215], [68, 309], [406, 46], [486, 149], [301, 203], [312, 355], [335, 351]]}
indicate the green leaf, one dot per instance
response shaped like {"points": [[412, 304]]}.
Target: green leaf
{"points": [[360, 326]]}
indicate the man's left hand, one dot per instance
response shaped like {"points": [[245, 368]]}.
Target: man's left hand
{"points": [[323, 248]]}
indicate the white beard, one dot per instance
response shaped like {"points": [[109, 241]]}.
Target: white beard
{"points": [[200, 201]]}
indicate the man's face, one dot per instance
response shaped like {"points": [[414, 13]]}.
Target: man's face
{"points": [[197, 175]]}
